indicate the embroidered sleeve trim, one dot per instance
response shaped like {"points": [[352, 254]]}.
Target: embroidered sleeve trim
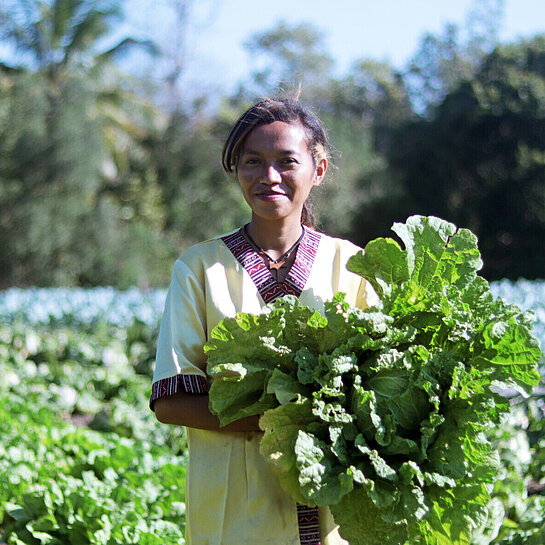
{"points": [[191, 384]]}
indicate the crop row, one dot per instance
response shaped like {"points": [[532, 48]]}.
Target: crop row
{"points": [[88, 307]]}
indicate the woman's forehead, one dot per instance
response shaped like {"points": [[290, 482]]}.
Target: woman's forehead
{"points": [[277, 135]]}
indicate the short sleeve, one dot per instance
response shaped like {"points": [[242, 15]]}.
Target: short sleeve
{"points": [[180, 360]]}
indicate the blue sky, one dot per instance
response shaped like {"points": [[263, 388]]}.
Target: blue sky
{"points": [[387, 30]]}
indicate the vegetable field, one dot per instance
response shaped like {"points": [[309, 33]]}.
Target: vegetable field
{"points": [[83, 461]]}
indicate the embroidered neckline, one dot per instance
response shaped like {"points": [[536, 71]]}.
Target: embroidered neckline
{"points": [[274, 263], [260, 274]]}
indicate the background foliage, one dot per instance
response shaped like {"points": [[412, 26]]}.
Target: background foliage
{"points": [[105, 177], [82, 458]]}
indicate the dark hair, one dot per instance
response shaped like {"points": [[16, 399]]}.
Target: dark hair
{"points": [[268, 111]]}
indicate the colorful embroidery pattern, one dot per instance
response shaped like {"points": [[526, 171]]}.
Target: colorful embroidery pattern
{"points": [[300, 271], [192, 384], [309, 528], [254, 265]]}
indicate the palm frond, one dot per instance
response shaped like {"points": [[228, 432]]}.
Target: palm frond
{"points": [[125, 46]]}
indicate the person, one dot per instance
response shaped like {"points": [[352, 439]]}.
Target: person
{"points": [[278, 151]]}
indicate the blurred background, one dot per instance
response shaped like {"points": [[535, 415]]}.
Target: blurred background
{"points": [[113, 115]]}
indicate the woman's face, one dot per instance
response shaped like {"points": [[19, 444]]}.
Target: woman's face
{"points": [[276, 171]]}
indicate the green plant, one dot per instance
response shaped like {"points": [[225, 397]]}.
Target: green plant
{"points": [[383, 414]]}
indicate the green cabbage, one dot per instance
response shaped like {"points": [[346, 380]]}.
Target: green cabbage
{"points": [[383, 414]]}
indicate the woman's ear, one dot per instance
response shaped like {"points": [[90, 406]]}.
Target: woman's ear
{"points": [[319, 173]]}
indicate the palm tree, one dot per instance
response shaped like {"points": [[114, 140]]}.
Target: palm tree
{"points": [[53, 35], [71, 130]]}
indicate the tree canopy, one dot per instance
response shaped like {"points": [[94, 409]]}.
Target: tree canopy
{"points": [[480, 161], [69, 148], [102, 183]]}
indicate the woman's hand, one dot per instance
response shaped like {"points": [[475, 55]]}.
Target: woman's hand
{"points": [[191, 410]]}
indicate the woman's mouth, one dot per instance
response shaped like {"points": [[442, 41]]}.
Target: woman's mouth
{"points": [[270, 195]]}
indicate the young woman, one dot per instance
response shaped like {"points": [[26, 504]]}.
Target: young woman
{"points": [[278, 152]]}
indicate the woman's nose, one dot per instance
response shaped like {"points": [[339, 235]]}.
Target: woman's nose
{"points": [[271, 175]]}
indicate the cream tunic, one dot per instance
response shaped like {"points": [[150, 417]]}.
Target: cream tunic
{"points": [[233, 495]]}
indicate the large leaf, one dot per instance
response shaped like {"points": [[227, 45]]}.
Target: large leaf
{"points": [[361, 522], [435, 255], [281, 426]]}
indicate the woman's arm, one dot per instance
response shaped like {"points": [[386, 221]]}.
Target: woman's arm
{"points": [[191, 410]]}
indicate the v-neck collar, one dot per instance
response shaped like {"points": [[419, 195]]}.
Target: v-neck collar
{"points": [[253, 264]]}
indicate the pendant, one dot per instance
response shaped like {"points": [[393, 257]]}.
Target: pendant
{"points": [[275, 265]]}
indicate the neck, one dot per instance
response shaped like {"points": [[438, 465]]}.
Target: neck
{"points": [[275, 238]]}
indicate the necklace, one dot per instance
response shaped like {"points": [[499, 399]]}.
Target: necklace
{"points": [[274, 263]]}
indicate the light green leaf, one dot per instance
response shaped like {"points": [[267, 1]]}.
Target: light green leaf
{"points": [[321, 480], [361, 522]]}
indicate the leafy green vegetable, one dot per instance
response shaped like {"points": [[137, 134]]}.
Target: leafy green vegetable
{"points": [[384, 414], [61, 482]]}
